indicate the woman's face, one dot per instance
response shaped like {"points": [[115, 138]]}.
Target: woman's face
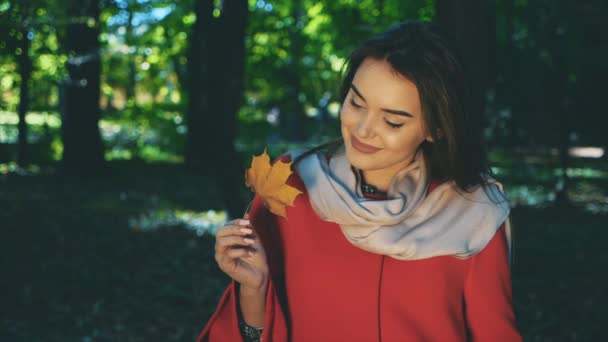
{"points": [[382, 109]]}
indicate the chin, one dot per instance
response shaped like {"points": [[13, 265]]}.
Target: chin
{"points": [[361, 160]]}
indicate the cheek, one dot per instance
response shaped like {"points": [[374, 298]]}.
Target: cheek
{"points": [[394, 141], [347, 122], [404, 141], [347, 117]]}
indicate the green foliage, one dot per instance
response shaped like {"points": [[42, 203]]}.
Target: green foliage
{"points": [[544, 64], [144, 49], [21, 20], [327, 32]]}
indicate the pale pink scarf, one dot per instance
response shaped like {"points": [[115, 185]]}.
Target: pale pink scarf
{"points": [[410, 224]]}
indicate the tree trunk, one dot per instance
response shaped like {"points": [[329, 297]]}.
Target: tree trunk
{"points": [[472, 26], [131, 96], [292, 118], [130, 91], [563, 184], [380, 4], [562, 107], [197, 79], [216, 84], [25, 70], [229, 167], [180, 71], [514, 124], [83, 151]]}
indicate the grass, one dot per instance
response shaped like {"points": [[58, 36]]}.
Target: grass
{"points": [[75, 268], [559, 263]]}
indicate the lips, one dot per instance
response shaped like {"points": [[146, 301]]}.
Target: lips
{"points": [[361, 147]]}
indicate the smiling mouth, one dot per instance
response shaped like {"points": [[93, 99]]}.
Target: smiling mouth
{"points": [[361, 147]]}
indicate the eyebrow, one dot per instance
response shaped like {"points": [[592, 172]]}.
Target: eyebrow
{"points": [[391, 111]]}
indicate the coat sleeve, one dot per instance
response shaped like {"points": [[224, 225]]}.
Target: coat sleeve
{"points": [[223, 324], [488, 295]]}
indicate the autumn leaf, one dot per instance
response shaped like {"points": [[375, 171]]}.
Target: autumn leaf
{"points": [[269, 181]]}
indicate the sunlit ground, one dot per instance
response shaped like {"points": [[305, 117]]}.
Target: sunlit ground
{"points": [[200, 222]]}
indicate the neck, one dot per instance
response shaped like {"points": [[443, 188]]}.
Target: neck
{"points": [[381, 179]]}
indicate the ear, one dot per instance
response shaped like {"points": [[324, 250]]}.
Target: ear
{"points": [[439, 135]]}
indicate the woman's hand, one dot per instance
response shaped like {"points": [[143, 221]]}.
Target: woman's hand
{"points": [[239, 254]]}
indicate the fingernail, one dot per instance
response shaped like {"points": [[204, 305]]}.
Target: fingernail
{"points": [[243, 222], [246, 230], [248, 240]]}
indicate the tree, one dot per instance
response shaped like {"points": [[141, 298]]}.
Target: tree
{"points": [[215, 92], [24, 61], [83, 151], [471, 25], [551, 58], [292, 118], [16, 26]]}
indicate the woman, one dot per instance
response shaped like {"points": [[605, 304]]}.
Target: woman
{"points": [[400, 233]]}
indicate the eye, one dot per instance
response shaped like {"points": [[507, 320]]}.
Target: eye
{"points": [[393, 125], [354, 104]]}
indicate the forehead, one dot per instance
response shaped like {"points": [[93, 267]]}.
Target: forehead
{"points": [[380, 84]]}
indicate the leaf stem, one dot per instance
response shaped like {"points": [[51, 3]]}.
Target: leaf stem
{"points": [[246, 213]]}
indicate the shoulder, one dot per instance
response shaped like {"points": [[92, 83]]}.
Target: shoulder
{"points": [[285, 158], [294, 179], [434, 183]]}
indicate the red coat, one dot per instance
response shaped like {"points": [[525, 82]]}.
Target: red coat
{"points": [[325, 289]]}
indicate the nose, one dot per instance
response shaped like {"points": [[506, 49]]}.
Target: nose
{"points": [[365, 126]]}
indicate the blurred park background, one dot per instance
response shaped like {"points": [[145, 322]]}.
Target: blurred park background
{"points": [[126, 127]]}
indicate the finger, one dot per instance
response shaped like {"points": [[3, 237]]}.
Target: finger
{"points": [[241, 252], [230, 241], [241, 222], [238, 229], [228, 261], [237, 223]]}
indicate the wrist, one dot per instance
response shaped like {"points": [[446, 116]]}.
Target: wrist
{"points": [[252, 291]]}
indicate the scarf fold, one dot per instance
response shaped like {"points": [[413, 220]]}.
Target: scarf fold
{"points": [[409, 224]]}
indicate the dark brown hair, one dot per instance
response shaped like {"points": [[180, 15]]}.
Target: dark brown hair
{"points": [[420, 52]]}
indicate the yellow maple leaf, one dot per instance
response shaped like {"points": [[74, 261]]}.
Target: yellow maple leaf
{"points": [[269, 181]]}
